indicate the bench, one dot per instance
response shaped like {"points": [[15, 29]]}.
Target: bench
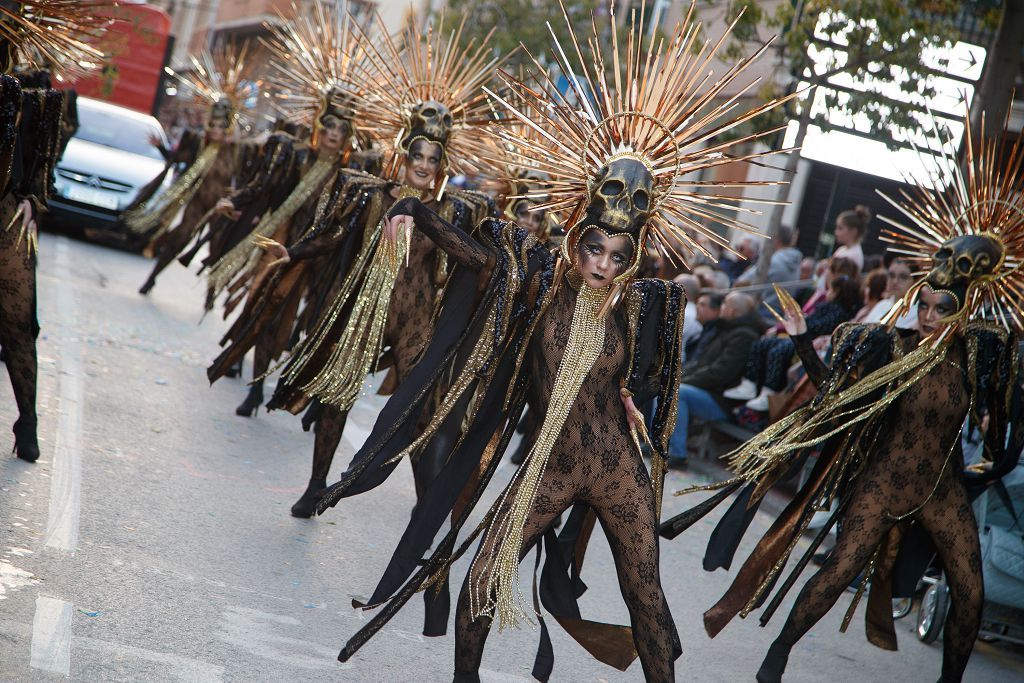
{"points": [[707, 437]]}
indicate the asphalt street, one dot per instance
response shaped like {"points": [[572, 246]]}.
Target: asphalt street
{"points": [[152, 541]]}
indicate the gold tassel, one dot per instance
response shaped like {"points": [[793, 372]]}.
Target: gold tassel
{"points": [[246, 254], [497, 589], [356, 351], [161, 210]]}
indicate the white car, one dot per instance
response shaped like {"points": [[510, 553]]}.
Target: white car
{"points": [[108, 160]]}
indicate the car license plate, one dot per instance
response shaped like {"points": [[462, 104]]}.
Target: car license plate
{"points": [[88, 195]]}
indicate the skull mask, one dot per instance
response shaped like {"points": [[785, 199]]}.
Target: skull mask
{"points": [[431, 120], [963, 259], [621, 197], [222, 111], [336, 103]]}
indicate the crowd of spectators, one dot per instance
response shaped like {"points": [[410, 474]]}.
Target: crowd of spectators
{"points": [[738, 364]]}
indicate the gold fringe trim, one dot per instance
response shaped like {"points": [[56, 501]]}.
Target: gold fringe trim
{"points": [[245, 255], [341, 380], [159, 211], [498, 590]]}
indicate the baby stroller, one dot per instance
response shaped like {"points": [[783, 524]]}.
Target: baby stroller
{"points": [[1002, 552]]}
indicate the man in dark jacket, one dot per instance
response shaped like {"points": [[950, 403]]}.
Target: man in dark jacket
{"points": [[719, 366]]}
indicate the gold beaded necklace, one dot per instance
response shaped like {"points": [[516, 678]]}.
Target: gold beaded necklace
{"points": [[497, 589]]}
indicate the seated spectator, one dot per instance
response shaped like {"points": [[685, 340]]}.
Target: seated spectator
{"points": [[784, 264], [851, 226], [872, 290], [718, 366], [733, 266], [873, 262], [807, 268], [691, 325], [834, 268], [709, 306], [770, 356], [899, 279]]}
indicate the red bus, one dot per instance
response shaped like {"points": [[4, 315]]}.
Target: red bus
{"points": [[138, 47]]}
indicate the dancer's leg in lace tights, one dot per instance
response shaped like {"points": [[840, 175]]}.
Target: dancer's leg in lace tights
{"points": [[949, 520], [864, 526], [631, 524], [471, 634], [329, 429], [18, 326], [624, 503]]}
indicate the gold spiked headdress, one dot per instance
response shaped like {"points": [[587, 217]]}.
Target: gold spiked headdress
{"points": [[218, 77], [622, 143], [424, 84], [967, 238], [47, 34], [312, 61]]}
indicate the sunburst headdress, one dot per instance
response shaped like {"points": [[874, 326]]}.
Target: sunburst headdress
{"points": [[425, 84], [622, 144], [616, 149], [313, 55], [967, 238], [47, 34], [219, 78]]}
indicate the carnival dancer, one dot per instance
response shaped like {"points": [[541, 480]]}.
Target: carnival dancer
{"points": [[888, 418], [427, 114], [576, 336], [313, 56], [214, 165], [44, 35]]}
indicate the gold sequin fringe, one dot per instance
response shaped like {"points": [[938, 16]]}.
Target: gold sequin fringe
{"points": [[161, 210], [496, 591], [353, 356]]}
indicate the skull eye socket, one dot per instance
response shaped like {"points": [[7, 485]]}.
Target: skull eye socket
{"points": [[428, 113], [943, 253], [964, 264], [612, 188], [641, 200], [447, 119]]}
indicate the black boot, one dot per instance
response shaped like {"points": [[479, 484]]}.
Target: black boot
{"points": [[250, 406], [306, 506], [25, 443], [774, 664], [147, 285]]}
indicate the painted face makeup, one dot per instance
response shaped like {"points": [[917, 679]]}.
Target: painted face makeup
{"points": [[422, 164], [531, 221], [933, 307], [332, 133], [600, 258]]}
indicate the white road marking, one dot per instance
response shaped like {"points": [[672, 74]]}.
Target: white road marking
{"points": [[51, 636], [51, 626], [182, 668], [259, 634], [66, 484]]}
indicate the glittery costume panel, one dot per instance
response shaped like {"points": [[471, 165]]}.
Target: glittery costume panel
{"points": [[277, 173], [896, 476], [321, 258], [410, 310], [168, 242], [520, 315]]}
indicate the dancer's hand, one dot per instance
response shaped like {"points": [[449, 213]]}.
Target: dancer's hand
{"points": [[792, 317], [28, 225], [275, 249], [633, 415], [225, 207], [396, 225]]}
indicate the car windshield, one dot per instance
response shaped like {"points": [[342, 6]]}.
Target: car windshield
{"points": [[120, 132]]}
